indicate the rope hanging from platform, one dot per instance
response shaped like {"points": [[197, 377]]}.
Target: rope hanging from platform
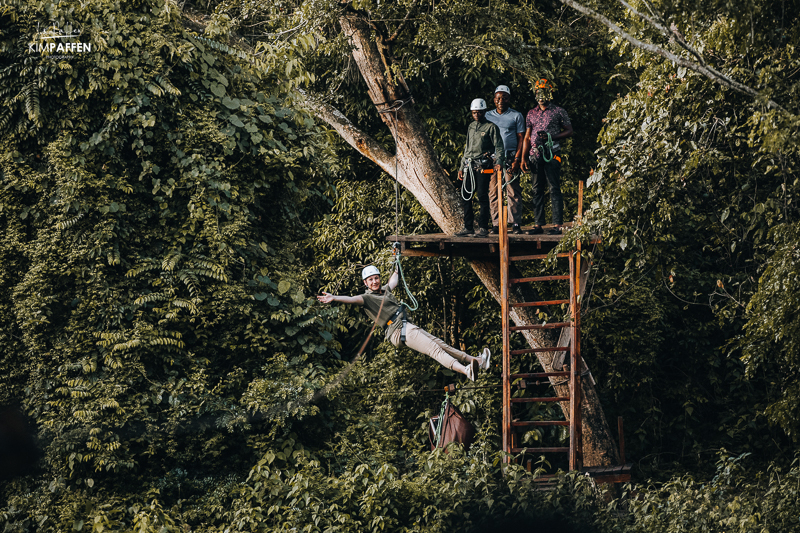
{"points": [[396, 106]]}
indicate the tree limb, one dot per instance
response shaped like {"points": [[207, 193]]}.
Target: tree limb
{"points": [[656, 24], [402, 25], [705, 70], [553, 49], [365, 144]]}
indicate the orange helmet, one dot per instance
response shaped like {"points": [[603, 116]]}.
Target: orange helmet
{"points": [[546, 88]]}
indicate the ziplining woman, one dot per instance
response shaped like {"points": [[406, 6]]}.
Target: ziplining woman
{"points": [[382, 307]]}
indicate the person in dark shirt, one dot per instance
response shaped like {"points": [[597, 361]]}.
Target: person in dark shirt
{"points": [[483, 141], [545, 122], [379, 298]]}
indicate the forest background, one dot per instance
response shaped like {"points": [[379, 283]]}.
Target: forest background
{"points": [[173, 198]]}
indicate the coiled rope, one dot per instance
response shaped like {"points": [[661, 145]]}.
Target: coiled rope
{"points": [[549, 146]]}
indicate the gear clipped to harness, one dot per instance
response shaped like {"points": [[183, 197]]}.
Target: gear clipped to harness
{"points": [[483, 164], [547, 141], [486, 161]]}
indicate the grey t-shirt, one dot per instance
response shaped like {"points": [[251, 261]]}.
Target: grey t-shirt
{"points": [[510, 123], [372, 303]]}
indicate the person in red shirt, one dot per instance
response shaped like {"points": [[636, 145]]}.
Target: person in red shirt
{"points": [[546, 125]]}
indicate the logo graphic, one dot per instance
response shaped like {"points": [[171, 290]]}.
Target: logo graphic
{"points": [[52, 41]]}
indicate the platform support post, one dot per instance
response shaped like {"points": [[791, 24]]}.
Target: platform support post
{"points": [[504, 286]]}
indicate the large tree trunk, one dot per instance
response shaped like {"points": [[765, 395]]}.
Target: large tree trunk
{"points": [[419, 171]]}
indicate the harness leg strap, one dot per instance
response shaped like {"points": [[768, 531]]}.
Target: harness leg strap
{"points": [[403, 328]]}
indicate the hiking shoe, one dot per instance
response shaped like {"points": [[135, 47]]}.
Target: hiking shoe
{"points": [[481, 232], [465, 233], [485, 357], [555, 230], [516, 230], [537, 230], [472, 369], [495, 230]]}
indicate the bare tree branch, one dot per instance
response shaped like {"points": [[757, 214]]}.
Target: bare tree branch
{"points": [[552, 49], [656, 24], [402, 25], [365, 144], [703, 69]]}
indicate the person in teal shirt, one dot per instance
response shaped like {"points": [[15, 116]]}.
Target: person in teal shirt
{"points": [[512, 128]]}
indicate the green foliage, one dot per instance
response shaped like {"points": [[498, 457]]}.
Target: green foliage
{"points": [[769, 342], [166, 211], [732, 502], [444, 491], [152, 197], [695, 186]]}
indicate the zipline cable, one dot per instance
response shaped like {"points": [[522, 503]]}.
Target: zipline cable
{"points": [[397, 106], [445, 390]]}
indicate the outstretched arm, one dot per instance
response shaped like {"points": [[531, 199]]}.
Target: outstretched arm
{"points": [[394, 279], [328, 298]]}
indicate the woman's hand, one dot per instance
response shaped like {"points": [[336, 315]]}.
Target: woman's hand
{"points": [[326, 297]]}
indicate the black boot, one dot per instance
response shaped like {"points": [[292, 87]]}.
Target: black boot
{"points": [[537, 230]]}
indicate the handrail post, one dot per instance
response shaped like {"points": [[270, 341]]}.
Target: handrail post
{"points": [[504, 285]]}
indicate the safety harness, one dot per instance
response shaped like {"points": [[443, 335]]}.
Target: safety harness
{"points": [[400, 315]]}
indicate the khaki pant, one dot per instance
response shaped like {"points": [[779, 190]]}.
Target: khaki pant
{"points": [[423, 342], [514, 192]]}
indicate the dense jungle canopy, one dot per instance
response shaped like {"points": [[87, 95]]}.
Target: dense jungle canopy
{"points": [[179, 182]]}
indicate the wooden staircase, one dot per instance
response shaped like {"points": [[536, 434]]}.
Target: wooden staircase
{"points": [[533, 248], [569, 344], [571, 373]]}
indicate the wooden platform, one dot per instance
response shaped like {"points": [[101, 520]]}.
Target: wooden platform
{"points": [[442, 244]]}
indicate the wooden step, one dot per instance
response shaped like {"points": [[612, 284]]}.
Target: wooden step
{"points": [[609, 474], [539, 304], [538, 278], [541, 399], [536, 423], [533, 257], [541, 450], [538, 350], [542, 483], [534, 375], [551, 325]]}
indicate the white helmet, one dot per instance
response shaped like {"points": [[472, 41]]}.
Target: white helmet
{"points": [[479, 104], [503, 89], [370, 271]]}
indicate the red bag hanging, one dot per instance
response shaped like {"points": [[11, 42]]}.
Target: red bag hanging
{"points": [[455, 428]]}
